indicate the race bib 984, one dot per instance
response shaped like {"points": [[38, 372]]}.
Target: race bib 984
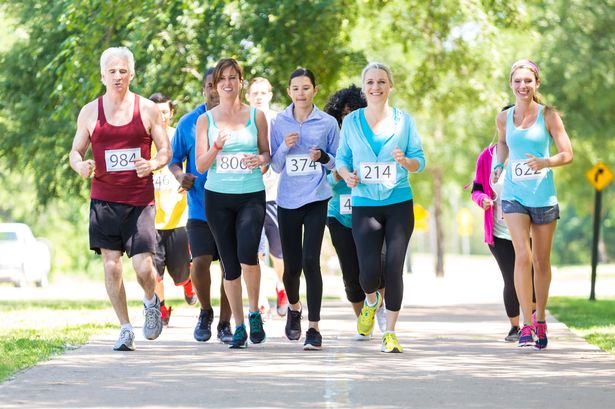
{"points": [[117, 160]]}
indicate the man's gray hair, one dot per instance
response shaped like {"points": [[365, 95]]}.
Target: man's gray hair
{"points": [[121, 52]]}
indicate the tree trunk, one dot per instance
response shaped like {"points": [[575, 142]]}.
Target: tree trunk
{"points": [[437, 205]]}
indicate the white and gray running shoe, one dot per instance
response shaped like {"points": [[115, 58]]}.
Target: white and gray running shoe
{"points": [[381, 318], [152, 327], [126, 341], [360, 337]]}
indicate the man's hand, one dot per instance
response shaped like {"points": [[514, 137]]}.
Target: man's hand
{"points": [[143, 167], [86, 168]]}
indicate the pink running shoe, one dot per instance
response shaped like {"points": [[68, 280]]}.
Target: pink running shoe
{"points": [[526, 338], [541, 335]]}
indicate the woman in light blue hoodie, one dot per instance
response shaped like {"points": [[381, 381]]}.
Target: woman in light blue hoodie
{"points": [[379, 146], [303, 144]]}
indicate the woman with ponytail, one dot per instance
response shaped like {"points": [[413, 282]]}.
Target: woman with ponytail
{"points": [[529, 201]]}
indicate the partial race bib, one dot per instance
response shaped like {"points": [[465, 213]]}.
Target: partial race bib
{"points": [[231, 162], [164, 181], [345, 204], [378, 172], [499, 214], [118, 160], [298, 165], [521, 171]]}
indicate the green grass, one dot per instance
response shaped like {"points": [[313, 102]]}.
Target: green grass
{"points": [[23, 348], [593, 320], [17, 305]]}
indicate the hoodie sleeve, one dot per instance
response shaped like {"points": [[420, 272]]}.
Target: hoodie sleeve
{"points": [[478, 190], [343, 156], [333, 139], [279, 149], [414, 150]]}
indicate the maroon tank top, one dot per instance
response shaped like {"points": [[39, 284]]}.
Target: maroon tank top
{"points": [[114, 148]]}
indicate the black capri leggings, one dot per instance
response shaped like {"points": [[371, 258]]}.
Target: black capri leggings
{"points": [[236, 221], [504, 253], [372, 227], [346, 250], [341, 237], [303, 252]]}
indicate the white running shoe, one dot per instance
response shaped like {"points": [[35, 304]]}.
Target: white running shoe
{"points": [[381, 318], [359, 337], [152, 327], [126, 341]]}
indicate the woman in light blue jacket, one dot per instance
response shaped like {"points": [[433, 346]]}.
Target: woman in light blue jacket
{"points": [[379, 146]]}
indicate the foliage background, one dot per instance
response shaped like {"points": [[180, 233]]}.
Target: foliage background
{"points": [[450, 59]]}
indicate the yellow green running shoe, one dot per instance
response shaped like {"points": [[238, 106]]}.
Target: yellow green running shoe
{"points": [[365, 322], [390, 343]]}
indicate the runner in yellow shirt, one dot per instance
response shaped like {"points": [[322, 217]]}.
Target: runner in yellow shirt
{"points": [[172, 251]]}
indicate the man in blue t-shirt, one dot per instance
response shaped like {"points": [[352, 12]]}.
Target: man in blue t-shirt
{"points": [[202, 244]]}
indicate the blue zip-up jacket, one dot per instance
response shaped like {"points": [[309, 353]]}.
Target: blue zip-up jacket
{"points": [[354, 148], [183, 150], [320, 130]]}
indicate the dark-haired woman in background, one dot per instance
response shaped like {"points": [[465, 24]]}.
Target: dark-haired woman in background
{"points": [[303, 143]]}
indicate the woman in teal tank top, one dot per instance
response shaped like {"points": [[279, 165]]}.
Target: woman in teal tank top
{"points": [[232, 143], [529, 202]]}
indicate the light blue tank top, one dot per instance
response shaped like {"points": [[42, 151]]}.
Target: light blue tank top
{"points": [[521, 183], [228, 174]]}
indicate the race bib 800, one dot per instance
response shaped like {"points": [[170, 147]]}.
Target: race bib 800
{"points": [[297, 165], [231, 162], [117, 160], [378, 172]]}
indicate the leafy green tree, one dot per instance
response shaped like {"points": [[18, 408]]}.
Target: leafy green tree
{"points": [[447, 62], [54, 71], [576, 55]]}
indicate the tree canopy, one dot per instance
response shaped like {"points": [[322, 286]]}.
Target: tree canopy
{"points": [[450, 60]]}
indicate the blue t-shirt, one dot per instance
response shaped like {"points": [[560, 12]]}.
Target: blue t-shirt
{"points": [[183, 146]]}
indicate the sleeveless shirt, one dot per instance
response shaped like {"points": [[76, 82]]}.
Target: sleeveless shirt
{"points": [[114, 149]]}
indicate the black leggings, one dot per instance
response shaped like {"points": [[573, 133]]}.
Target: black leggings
{"points": [[341, 237], [304, 253], [504, 253], [236, 221], [372, 227]]}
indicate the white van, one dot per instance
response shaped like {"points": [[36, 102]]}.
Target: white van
{"points": [[23, 258]]}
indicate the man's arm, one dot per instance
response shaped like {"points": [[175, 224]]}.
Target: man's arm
{"points": [[160, 138], [81, 142]]}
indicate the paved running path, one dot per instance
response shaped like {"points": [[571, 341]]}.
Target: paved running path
{"points": [[454, 358]]}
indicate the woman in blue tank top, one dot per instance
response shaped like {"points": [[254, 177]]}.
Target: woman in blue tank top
{"points": [[232, 144], [529, 201]]}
